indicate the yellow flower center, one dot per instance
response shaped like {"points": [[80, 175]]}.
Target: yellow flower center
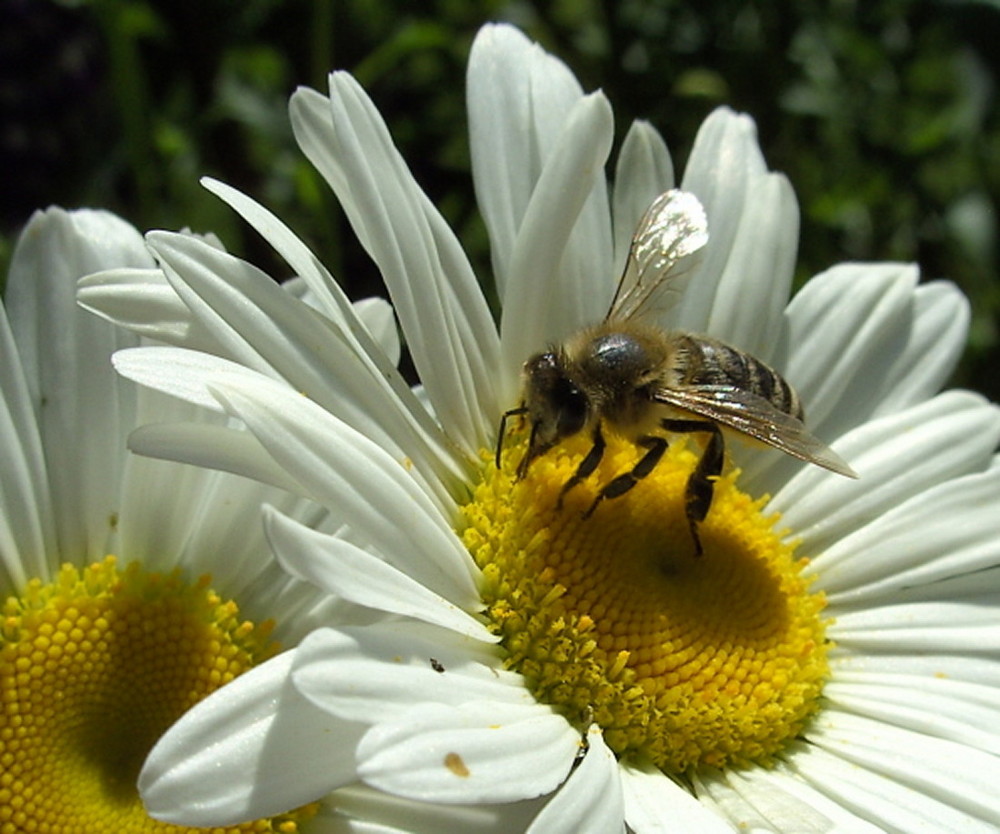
{"points": [[94, 667], [683, 660]]}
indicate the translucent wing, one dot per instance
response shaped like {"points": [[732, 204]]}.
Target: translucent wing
{"points": [[754, 416], [665, 246]]}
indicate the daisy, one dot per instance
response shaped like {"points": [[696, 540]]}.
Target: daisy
{"points": [[828, 663], [132, 587]]}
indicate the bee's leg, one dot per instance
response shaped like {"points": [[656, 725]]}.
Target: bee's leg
{"points": [[587, 465], [513, 412], [535, 448], [701, 484], [624, 482]]}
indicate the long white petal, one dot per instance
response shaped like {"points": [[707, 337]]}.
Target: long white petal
{"points": [[64, 353], [590, 801], [969, 625], [360, 483], [358, 809], [143, 301], [655, 804], [952, 710], [545, 299], [519, 99], [959, 669], [378, 672], [347, 317], [755, 284], [643, 171], [197, 772], [442, 311], [845, 329], [265, 328], [27, 525], [344, 569], [474, 752], [889, 804], [723, 171], [775, 800], [896, 457], [946, 531], [212, 447], [961, 777], [934, 343]]}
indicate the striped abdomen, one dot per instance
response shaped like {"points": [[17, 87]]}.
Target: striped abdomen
{"points": [[710, 362]]}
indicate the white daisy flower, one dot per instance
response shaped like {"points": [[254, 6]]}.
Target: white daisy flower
{"points": [[828, 663], [132, 587]]}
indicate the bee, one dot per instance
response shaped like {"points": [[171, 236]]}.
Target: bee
{"points": [[642, 381]]}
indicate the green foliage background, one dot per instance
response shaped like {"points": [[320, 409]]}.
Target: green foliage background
{"points": [[882, 114]]}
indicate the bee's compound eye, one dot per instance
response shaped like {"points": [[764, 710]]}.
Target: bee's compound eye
{"points": [[554, 399], [572, 412]]}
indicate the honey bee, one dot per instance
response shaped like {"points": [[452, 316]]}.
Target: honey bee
{"points": [[640, 381]]}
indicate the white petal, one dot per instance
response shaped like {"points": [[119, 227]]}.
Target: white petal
{"points": [[213, 447], [27, 526], [896, 457], [208, 381], [442, 311], [519, 98], [753, 289], [64, 353], [178, 372], [378, 672], [655, 804], [265, 328], [548, 294], [845, 330], [968, 626], [378, 316], [358, 809], [953, 710], [226, 761], [961, 670], [762, 800], [961, 777], [342, 568], [890, 805], [935, 341], [643, 171], [947, 531], [590, 801], [398, 407], [326, 293], [474, 752], [722, 171], [143, 301], [358, 482]]}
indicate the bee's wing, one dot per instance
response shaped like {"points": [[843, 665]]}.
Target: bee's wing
{"points": [[753, 415], [672, 231]]}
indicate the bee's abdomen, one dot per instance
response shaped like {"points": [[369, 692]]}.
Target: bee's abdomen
{"points": [[715, 363]]}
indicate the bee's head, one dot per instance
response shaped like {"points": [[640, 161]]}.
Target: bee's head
{"points": [[556, 405]]}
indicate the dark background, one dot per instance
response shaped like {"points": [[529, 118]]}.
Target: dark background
{"points": [[883, 114]]}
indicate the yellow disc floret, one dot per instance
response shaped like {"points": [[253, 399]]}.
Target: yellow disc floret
{"points": [[683, 660], [94, 667]]}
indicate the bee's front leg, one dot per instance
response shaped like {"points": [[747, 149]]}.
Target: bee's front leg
{"points": [[587, 465], [701, 484], [624, 482]]}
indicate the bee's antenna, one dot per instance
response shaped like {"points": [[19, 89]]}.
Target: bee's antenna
{"points": [[513, 412]]}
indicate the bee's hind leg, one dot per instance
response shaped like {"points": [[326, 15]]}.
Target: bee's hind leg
{"points": [[587, 465], [624, 482], [701, 484]]}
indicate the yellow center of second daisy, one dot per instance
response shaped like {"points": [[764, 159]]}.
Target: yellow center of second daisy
{"points": [[682, 660], [94, 667]]}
